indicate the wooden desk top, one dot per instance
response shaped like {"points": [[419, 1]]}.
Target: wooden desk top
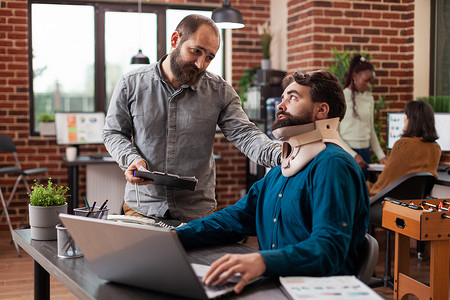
{"points": [[76, 275]]}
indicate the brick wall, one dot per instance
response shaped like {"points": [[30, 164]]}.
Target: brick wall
{"points": [[43, 152], [383, 29]]}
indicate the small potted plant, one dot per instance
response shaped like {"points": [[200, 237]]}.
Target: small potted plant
{"points": [[46, 203], [47, 125], [265, 36]]}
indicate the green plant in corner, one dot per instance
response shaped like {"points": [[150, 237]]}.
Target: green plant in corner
{"points": [[246, 82], [265, 38], [438, 103], [340, 65], [50, 195]]}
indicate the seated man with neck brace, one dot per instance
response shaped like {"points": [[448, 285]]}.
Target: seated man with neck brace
{"points": [[311, 213]]}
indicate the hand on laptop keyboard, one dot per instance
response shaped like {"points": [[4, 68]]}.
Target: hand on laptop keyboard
{"points": [[143, 221]]}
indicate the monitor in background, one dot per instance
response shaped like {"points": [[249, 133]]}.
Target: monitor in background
{"points": [[395, 124], [79, 128]]}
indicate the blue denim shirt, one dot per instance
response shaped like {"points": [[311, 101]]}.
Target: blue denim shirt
{"points": [[173, 131], [312, 223]]}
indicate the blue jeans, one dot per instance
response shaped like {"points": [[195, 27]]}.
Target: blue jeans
{"points": [[365, 154]]}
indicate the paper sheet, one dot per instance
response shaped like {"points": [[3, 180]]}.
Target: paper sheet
{"points": [[327, 288]]}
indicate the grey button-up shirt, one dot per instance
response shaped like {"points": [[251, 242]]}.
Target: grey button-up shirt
{"points": [[173, 131]]}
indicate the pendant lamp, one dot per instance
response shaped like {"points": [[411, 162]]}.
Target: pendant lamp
{"points": [[227, 17], [140, 58]]}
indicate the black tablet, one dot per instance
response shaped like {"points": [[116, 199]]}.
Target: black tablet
{"points": [[160, 178]]}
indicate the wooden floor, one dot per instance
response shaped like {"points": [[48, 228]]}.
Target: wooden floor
{"points": [[16, 274]]}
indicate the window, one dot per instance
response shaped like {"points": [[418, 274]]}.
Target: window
{"points": [[440, 45], [63, 58], [79, 51], [125, 34]]}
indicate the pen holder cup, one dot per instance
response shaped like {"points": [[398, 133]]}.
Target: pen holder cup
{"points": [[96, 213], [66, 245]]}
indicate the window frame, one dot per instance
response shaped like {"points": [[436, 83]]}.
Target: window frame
{"points": [[434, 30], [100, 8]]}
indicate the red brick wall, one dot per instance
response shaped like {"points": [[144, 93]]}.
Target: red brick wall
{"points": [[43, 152], [230, 172], [383, 29]]}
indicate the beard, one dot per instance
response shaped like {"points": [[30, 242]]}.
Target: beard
{"points": [[184, 73], [291, 120]]}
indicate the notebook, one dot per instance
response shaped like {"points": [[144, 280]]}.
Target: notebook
{"points": [[141, 255]]}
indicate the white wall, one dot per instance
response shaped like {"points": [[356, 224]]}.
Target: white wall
{"points": [[422, 24], [278, 46]]}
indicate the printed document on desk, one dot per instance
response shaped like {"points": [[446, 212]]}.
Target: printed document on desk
{"points": [[160, 178], [327, 288]]}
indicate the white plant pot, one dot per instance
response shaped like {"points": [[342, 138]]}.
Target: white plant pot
{"points": [[47, 129], [43, 221], [265, 64]]}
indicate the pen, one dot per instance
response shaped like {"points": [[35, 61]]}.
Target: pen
{"points": [[91, 210], [137, 191], [100, 216], [87, 203], [103, 205]]}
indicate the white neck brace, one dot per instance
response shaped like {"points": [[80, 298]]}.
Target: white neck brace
{"points": [[301, 143]]}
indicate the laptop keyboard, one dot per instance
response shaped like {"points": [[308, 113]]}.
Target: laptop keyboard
{"points": [[165, 225]]}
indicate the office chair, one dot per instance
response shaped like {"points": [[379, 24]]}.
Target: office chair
{"points": [[369, 259], [7, 145], [416, 185]]}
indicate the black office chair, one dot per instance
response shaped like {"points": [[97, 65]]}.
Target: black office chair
{"points": [[368, 260], [7, 145], [416, 185]]}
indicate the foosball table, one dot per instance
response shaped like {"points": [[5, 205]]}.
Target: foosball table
{"points": [[423, 220]]}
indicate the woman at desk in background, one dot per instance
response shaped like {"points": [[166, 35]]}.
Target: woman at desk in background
{"points": [[356, 129], [415, 151]]}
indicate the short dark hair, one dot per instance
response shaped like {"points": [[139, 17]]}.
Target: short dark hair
{"points": [[323, 87], [420, 121], [190, 24]]}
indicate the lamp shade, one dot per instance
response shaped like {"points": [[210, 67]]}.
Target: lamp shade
{"points": [[140, 59], [227, 17]]}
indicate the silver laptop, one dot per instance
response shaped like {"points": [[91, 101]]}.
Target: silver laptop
{"points": [[140, 255]]}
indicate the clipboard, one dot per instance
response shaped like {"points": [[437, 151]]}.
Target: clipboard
{"points": [[171, 180]]}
